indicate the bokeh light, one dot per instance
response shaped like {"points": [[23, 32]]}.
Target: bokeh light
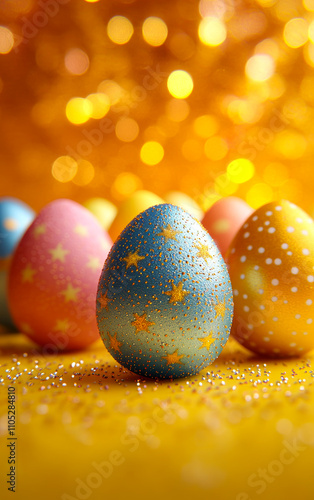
{"points": [[85, 173], [296, 32], [6, 40], [120, 30], [260, 67], [78, 110], [76, 61], [212, 31], [154, 31], [64, 169], [152, 153], [180, 84], [100, 105], [127, 129], [240, 170]]}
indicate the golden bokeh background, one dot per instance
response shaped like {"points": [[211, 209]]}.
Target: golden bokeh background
{"points": [[211, 98]]}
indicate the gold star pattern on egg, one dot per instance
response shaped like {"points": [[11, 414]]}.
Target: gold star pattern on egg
{"points": [[169, 233], [207, 341], [173, 358], [62, 325], [132, 259], [70, 293], [39, 229], [104, 300], [164, 312], [58, 253], [114, 342], [141, 323], [93, 263], [177, 294], [81, 230], [28, 274], [203, 251], [220, 309]]}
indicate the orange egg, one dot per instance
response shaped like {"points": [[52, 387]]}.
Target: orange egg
{"points": [[271, 266], [224, 218]]}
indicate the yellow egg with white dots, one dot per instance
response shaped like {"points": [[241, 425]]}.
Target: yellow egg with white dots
{"points": [[271, 266]]}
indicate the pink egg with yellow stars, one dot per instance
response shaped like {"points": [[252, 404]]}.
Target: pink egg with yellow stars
{"points": [[54, 276], [224, 218], [271, 266]]}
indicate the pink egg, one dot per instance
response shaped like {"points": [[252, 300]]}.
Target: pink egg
{"points": [[224, 218], [54, 276]]}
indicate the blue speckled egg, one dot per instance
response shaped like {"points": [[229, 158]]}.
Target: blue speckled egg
{"points": [[15, 217], [164, 300]]}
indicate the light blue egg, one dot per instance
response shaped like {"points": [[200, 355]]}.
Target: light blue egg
{"points": [[164, 300], [15, 218]]}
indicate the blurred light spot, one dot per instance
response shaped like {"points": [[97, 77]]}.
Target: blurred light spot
{"points": [[215, 148], [6, 40], [275, 174], [100, 105], [309, 5], [112, 89], [180, 84], [260, 67], [127, 129], [212, 31], [192, 150], [78, 110], [244, 110], [290, 144], [154, 31], [91, 1], [205, 126], [85, 173], [64, 168], [76, 61], [295, 32], [177, 110], [152, 153], [311, 32], [240, 170], [125, 184], [259, 195], [119, 30]]}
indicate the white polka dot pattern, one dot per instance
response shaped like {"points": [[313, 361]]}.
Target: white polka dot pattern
{"points": [[272, 272]]}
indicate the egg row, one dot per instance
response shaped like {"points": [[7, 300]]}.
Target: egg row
{"points": [[164, 298]]}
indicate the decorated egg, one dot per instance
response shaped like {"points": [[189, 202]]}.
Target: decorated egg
{"points": [[130, 208], [271, 265], [103, 210], [54, 275], [164, 301], [184, 201], [224, 218], [15, 217]]}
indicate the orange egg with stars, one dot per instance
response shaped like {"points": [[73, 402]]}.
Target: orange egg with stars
{"points": [[271, 266]]}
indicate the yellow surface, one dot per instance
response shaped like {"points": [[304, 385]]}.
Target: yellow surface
{"points": [[242, 429]]}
